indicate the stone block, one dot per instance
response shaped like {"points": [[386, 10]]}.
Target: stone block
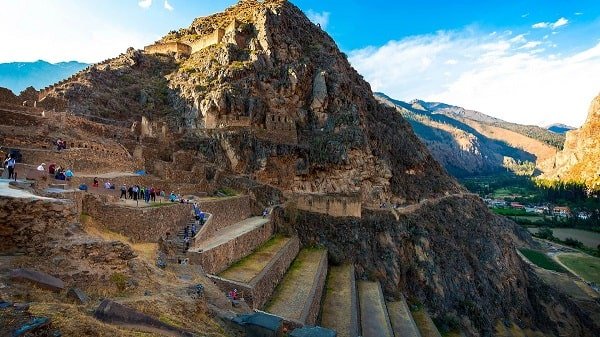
{"points": [[78, 295], [40, 279]]}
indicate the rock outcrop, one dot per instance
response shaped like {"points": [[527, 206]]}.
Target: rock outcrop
{"points": [[579, 161]]}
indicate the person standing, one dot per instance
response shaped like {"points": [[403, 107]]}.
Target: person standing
{"points": [[10, 163], [123, 192]]}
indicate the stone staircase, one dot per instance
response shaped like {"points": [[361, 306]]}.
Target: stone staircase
{"points": [[375, 320], [340, 306]]}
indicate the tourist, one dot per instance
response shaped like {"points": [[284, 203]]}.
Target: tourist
{"points": [[152, 194], [95, 183], [123, 192], [52, 168], [41, 168], [130, 192], [162, 195], [107, 185], [69, 174], [147, 194], [172, 197], [135, 192], [61, 144], [265, 213], [10, 164]]}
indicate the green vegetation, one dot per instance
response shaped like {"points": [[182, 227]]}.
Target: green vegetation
{"points": [[119, 280], [226, 191], [541, 260], [584, 240], [586, 267]]}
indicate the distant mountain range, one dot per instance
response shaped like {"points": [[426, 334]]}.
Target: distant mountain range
{"points": [[560, 128], [17, 76], [471, 143]]}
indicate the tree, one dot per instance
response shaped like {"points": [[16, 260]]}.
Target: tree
{"points": [[545, 233]]}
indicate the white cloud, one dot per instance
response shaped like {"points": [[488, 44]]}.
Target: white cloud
{"points": [[553, 25], [578, 13], [168, 6], [559, 23], [525, 15], [507, 79], [321, 19], [145, 4], [531, 45], [451, 62], [518, 39]]}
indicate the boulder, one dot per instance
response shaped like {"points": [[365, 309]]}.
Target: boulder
{"points": [[116, 313], [78, 295], [38, 278]]}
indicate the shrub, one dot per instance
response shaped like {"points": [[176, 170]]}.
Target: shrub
{"points": [[573, 243], [545, 233]]}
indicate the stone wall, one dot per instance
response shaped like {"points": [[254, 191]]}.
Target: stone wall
{"points": [[219, 258], [169, 47], [206, 41], [227, 211], [147, 224], [25, 222], [82, 160], [260, 289], [334, 205]]}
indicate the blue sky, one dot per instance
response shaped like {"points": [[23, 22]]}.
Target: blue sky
{"points": [[521, 60]]}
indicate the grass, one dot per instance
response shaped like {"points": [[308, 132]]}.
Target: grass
{"points": [[585, 266], [250, 266], [542, 260], [424, 323]]}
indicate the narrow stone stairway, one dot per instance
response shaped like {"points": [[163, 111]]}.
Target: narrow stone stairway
{"points": [[298, 297], [340, 306], [375, 321], [425, 323], [257, 275]]}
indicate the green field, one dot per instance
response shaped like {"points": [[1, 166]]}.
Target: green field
{"points": [[585, 266], [589, 239], [541, 260]]}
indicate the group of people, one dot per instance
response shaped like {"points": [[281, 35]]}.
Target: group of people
{"points": [[59, 172], [135, 192]]}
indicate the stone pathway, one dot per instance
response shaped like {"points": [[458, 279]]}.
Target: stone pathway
{"points": [[292, 297], [425, 324], [373, 312], [340, 308], [402, 320], [109, 175], [247, 269], [229, 233], [7, 191]]}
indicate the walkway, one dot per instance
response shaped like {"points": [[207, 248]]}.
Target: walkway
{"points": [[373, 312], [229, 233], [109, 175], [7, 191]]}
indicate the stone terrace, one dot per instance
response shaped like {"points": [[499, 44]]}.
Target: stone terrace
{"points": [[298, 297], [374, 316], [259, 273], [217, 253], [340, 307], [402, 321]]}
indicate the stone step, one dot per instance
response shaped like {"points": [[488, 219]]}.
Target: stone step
{"points": [[257, 275], [297, 298], [217, 253], [373, 312], [340, 306], [425, 323], [402, 321]]}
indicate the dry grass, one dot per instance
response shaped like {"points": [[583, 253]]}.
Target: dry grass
{"points": [[515, 331]]}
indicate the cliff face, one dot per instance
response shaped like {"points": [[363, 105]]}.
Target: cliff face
{"points": [[580, 159], [276, 101]]}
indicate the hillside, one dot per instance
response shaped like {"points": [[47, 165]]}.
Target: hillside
{"points": [[258, 101], [470, 143], [17, 76], [579, 161]]}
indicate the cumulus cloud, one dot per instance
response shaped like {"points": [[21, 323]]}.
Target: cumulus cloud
{"points": [[553, 25], [168, 6], [145, 4], [319, 18], [509, 78]]}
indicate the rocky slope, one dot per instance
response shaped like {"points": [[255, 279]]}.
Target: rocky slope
{"points": [[580, 159], [470, 143], [276, 102]]}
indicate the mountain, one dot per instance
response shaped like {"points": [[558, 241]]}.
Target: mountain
{"points": [[17, 76], [470, 143], [560, 128], [579, 161], [259, 99]]}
